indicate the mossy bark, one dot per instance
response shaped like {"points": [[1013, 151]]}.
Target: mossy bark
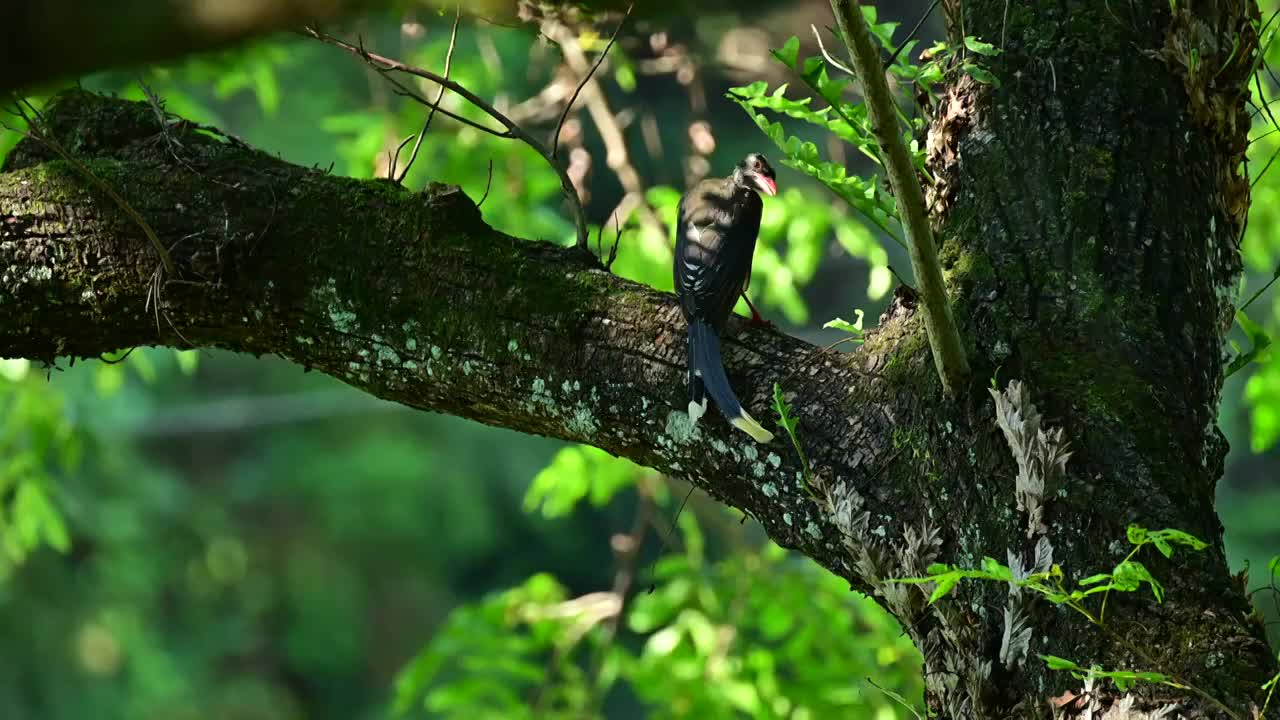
{"points": [[1089, 229]]}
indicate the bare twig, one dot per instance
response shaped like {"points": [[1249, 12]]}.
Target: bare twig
{"points": [[944, 338], [448, 63], [395, 159], [617, 238], [555, 141], [385, 65], [911, 35], [624, 577], [616, 155], [487, 184], [671, 531], [826, 55]]}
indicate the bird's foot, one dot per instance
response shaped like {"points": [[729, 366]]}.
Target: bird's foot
{"points": [[757, 320]]}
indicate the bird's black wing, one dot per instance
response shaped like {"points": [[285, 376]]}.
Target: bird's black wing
{"points": [[715, 239]]}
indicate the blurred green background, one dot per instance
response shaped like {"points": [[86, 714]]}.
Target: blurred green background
{"points": [[204, 535]]}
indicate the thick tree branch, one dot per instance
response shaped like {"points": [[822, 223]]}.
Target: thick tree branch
{"points": [[944, 337], [411, 297]]}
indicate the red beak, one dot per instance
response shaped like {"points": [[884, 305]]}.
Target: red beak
{"points": [[766, 185]]}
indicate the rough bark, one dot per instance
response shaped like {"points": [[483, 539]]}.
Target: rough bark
{"points": [[1089, 213]]}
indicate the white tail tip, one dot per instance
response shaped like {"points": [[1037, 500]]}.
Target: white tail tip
{"points": [[748, 425], [697, 410]]}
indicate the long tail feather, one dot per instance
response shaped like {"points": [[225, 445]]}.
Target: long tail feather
{"points": [[706, 377]]}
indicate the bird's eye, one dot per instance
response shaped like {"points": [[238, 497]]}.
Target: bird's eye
{"points": [[756, 165]]}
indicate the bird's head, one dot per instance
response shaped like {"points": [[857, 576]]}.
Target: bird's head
{"points": [[756, 173]]}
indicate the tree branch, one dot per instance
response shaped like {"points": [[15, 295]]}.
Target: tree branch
{"points": [[944, 337], [412, 298]]}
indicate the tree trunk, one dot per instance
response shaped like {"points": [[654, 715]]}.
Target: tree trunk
{"points": [[1089, 211]]}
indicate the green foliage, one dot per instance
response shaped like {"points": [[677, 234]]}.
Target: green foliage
{"points": [[505, 657], [844, 120], [575, 473], [37, 443], [1124, 679], [848, 122], [853, 328], [755, 635], [1260, 247], [1259, 344], [1127, 576], [791, 424]]}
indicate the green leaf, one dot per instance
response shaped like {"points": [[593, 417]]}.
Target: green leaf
{"points": [[783, 409], [789, 53], [1259, 341], [1163, 546], [981, 74], [1093, 579], [625, 76], [946, 583], [1136, 534], [994, 570], [754, 90], [188, 361], [34, 518], [1130, 574], [882, 32], [982, 48], [853, 328], [14, 369], [1165, 539], [576, 473], [1056, 663]]}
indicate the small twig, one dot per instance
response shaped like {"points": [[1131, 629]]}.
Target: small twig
{"points": [[623, 579], [944, 337], [911, 35], [1265, 168], [555, 143], [448, 63], [615, 143], [1258, 294], [670, 531], [896, 697], [901, 280], [395, 159], [617, 238], [487, 183], [386, 65], [826, 55]]}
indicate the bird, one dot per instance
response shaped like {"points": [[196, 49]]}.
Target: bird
{"points": [[718, 220]]}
